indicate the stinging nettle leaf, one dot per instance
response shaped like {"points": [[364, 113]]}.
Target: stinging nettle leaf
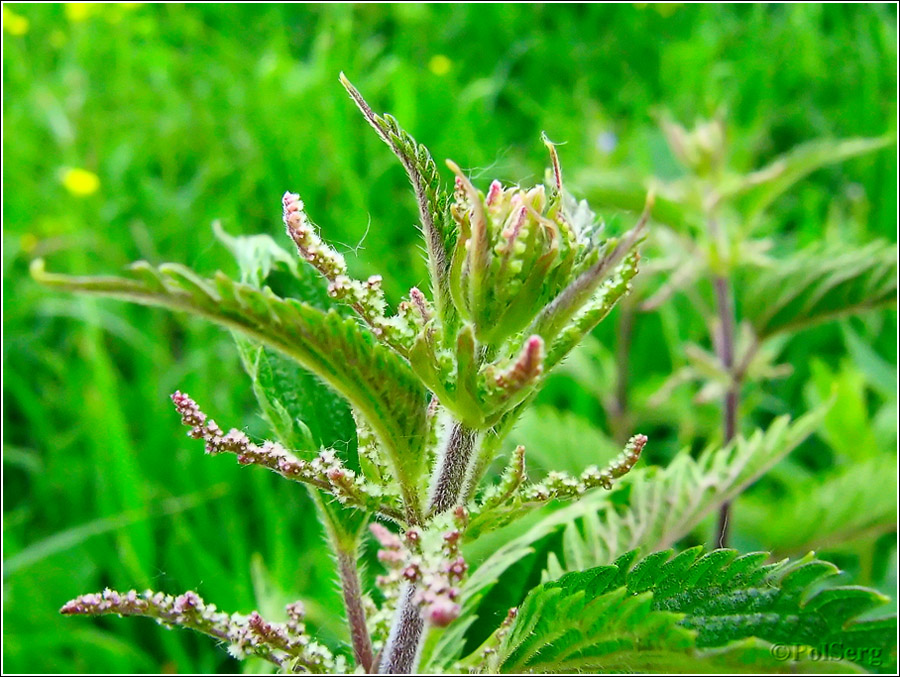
{"points": [[689, 613], [761, 188], [304, 414], [432, 199], [854, 503], [821, 284], [336, 349]]}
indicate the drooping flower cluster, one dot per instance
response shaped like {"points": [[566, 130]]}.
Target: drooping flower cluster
{"points": [[430, 561], [560, 485], [285, 644], [325, 471], [512, 496]]}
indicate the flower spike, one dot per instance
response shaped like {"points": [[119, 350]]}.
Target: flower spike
{"points": [[325, 471]]}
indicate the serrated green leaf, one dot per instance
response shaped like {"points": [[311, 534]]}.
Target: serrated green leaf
{"points": [[432, 199], [654, 508], [681, 615], [257, 256], [336, 349], [847, 428], [820, 284], [303, 413], [853, 503], [758, 190], [615, 287], [880, 374]]}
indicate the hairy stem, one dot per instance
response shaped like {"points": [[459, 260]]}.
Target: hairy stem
{"points": [[401, 650], [344, 539], [353, 603], [451, 472]]}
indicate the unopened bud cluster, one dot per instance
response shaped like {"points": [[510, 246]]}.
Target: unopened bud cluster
{"points": [[518, 374], [560, 485], [512, 497], [517, 249], [513, 478], [702, 149]]}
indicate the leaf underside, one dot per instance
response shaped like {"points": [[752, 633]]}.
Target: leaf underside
{"points": [[337, 349]]}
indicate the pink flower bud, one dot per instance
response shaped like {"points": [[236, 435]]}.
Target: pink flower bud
{"points": [[442, 612]]}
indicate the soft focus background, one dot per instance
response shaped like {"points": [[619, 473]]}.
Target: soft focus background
{"points": [[129, 128]]}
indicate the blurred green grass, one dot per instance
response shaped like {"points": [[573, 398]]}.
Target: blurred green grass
{"points": [[188, 114]]}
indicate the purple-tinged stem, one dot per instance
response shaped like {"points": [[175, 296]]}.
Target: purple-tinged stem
{"points": [[401, 652], [452, 472], [725, 349], [624, 330], [356, 614]]}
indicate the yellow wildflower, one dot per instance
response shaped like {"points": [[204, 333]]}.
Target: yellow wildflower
{"points": [[14, 24], [80, 182], [440, 65], [80, 11]]}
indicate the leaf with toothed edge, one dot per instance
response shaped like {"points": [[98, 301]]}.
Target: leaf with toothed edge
{"points": [[692, 612], [304, 414], [569, 303], [340, 352], [857, 501], [757, 191], [610, 292], [821, 284], [433, 200]]}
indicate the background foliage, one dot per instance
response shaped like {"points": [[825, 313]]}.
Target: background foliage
{"points": [[183, 115]]}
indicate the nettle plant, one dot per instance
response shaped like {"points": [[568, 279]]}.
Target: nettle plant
{"points": [[518, 278], [712, 243]]}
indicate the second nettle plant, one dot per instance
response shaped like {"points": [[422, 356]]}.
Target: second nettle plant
{"points": [[518, 278]]}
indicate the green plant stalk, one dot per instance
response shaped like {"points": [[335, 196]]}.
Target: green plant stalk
{"points": [[401, 651], [724, 345], [451, 472], [619, 409]]}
